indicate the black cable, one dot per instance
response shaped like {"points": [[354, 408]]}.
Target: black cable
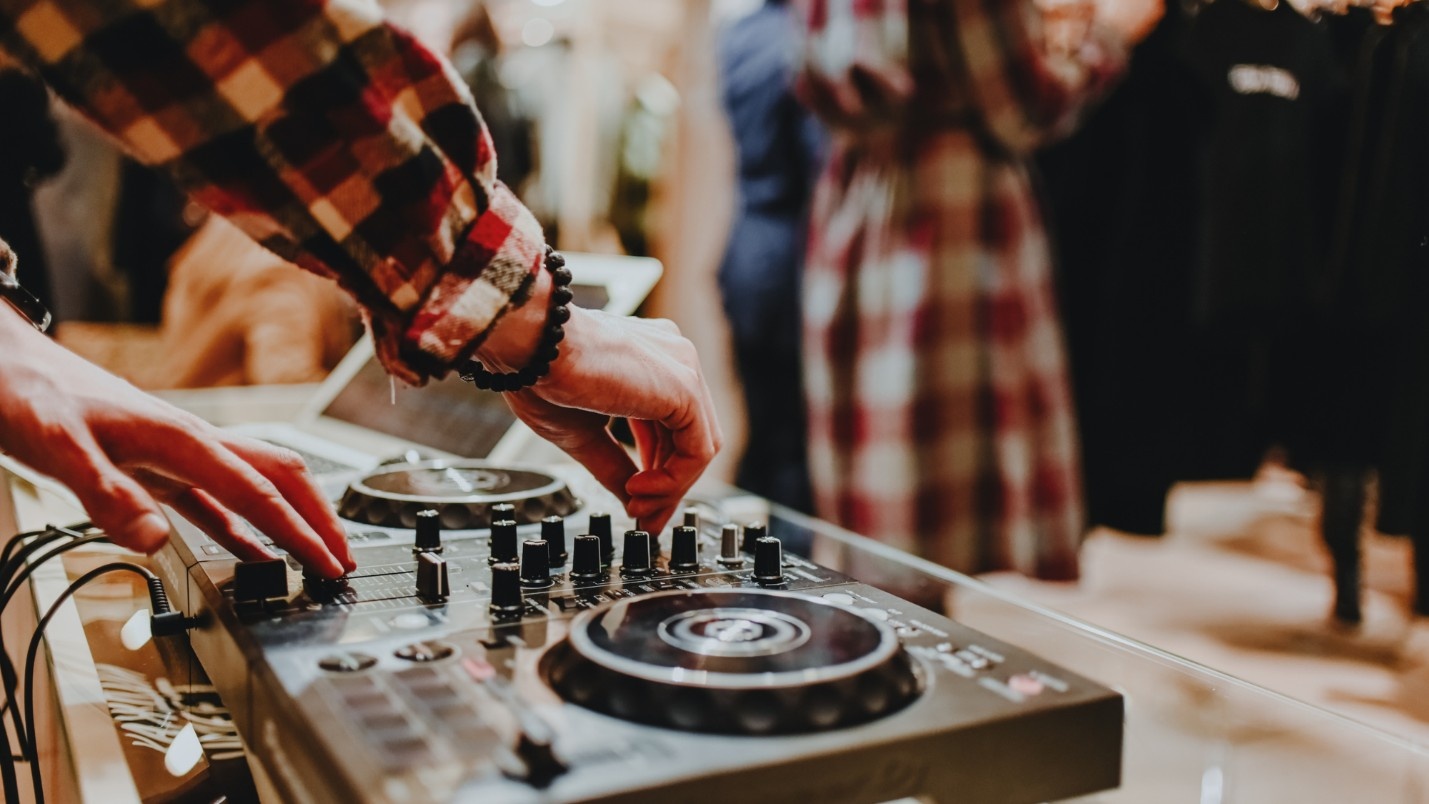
{"points": [[75, 530], [14, 556], [10, 561], [29, 569], [18, 540], [157, 598], [8, 777], [7, 669]]}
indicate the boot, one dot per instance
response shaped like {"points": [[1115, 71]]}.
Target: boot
{"points": [[1341, 515]]}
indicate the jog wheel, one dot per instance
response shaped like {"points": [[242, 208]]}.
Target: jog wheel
{"points": [[462, 493], [734, 662]]}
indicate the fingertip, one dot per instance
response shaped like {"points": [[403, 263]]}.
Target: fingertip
{"points": [[145, 533], [650, 483], [331, 568]]}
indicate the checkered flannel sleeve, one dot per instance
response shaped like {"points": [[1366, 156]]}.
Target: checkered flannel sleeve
{"points": [[328, 135]]}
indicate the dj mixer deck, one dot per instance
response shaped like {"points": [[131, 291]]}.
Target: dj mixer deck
{"points": [[502, 641]]}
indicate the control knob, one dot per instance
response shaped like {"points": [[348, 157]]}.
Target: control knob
{"points": [[260, 580], [501, 512], [586, 564], [503, 541], [428, 532], [506, 590], [536, 564], [600, 528], [768, 562], [753, 532], [636, 561], [729, 555], [432, 583], [691, 518], [684, 549], [323, 590], [553, 531]]}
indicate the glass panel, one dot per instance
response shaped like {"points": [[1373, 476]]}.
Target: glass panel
{"points": [[1190, 730]]}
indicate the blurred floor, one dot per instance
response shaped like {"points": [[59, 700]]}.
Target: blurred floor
{"points": [[1241, 584]]}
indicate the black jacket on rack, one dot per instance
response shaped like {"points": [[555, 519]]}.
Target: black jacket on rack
{"points": [[1116, 195], [1381, 275]]}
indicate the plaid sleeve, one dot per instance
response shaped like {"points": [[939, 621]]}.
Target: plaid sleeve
{"points": [[1024, 93], [328, 135]]}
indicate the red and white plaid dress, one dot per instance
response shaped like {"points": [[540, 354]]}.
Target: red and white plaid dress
{"points": [[940, 412]]}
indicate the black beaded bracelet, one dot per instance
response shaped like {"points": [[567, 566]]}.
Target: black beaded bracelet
{"points": [[546, 351]]}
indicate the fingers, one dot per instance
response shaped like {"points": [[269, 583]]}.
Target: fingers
{"points": [[115, 502], [222, 525], [199, 459], [581, 435], [290, 475]]}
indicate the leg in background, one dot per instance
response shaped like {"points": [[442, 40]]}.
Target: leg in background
{"points": [[1341, 516]]}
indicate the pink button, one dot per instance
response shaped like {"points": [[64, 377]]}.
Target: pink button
{"points": [[1027, 685], [478, 669]]}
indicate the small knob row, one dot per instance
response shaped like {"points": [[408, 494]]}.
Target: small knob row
{"points": [[593, 553]]}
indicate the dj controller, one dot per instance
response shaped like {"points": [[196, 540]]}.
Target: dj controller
{"points": [[503, 640]]}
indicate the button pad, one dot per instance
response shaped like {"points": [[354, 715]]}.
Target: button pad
{"points": [[423, 652], [346, 662]]}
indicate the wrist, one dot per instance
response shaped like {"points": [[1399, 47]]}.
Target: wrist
{"points": [[513, 340]]}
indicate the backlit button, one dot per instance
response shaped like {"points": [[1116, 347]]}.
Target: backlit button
{"points": [[425, 651], [410, 621], [839, 598], [1025, 684], [346, 662], [877, 614]]}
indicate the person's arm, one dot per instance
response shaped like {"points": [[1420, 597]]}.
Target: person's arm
{"points": [[339, 142], [329, 136], [119, 449]]}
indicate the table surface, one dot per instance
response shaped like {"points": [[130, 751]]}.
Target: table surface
{"points": [[1192, 733]]}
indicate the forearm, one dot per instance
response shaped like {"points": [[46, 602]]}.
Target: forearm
{"points": [[329, 136]]}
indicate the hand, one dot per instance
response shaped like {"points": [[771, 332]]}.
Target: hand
{"points": [[643, 370], [1132, 19], [119, 450]]}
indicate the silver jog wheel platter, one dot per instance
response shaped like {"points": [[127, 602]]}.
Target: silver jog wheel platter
{"points": [[733, 661]]}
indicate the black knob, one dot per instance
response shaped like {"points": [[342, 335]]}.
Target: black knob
{"points": [[501, 512], [692, 518], [753, 532], [768, 562], [429, 532], [260, 580], [600, 528], [503, 541], [636, 560], [729, 555], [553, 530], [506, 590], [685, 549], [586, 564], [323, 590], [432, 584], [535, 563]]}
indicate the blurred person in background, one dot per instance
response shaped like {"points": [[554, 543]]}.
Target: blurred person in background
{"points": [[779, 147], [940, 413], [238, 314]]}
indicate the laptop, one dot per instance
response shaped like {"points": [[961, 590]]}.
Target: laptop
{"points": [[359, 418]]}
